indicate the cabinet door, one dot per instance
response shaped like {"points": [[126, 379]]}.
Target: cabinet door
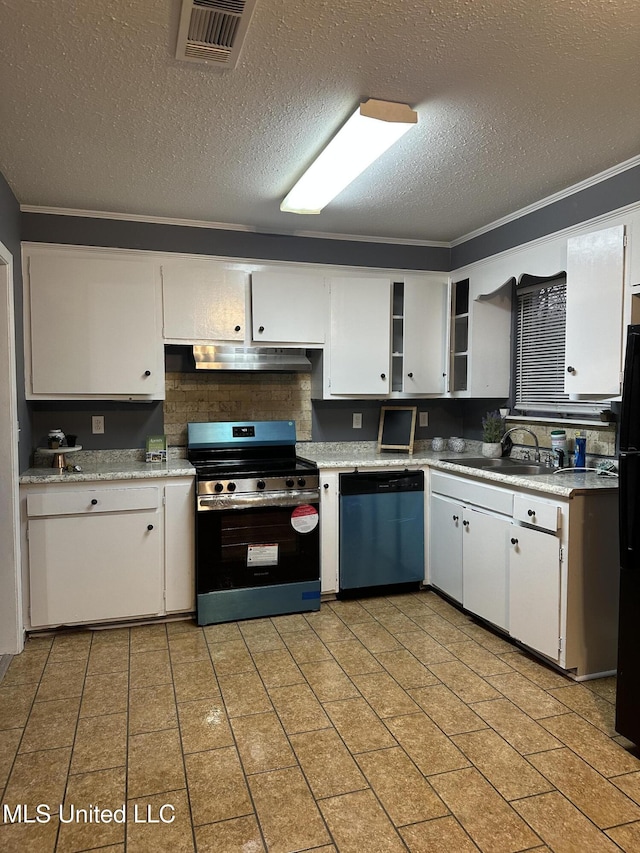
{"points": [[445, 546], [288, 307], [425, 305], [95, 567], [329, 523], [484, 559], [180, 584], [203, 301], [595, 287], [534, 589], [360, 354], [94, 329]]}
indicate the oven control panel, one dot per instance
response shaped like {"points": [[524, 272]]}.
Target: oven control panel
{"points": [[261, 484]]}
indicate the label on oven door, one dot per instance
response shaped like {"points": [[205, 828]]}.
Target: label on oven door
{"points": [[262, 555], [304, 518]]}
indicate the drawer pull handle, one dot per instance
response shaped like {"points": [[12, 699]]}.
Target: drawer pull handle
{"points": [[237, 328], [383, 376], [325, 486], [531, 512], [514, 541], [94, 501], [410, 375], [454, 517], [147, 373], [260, 329], [149, 526], [465, 523]]}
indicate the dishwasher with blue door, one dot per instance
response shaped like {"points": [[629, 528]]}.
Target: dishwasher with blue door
{"points": [[381, 529]]}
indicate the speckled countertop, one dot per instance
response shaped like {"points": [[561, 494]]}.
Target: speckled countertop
{"points": [[107, 465], [366, 455], [129, 465]]}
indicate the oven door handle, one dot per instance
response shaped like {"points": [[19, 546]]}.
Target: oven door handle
{"points": [[250, 501]]}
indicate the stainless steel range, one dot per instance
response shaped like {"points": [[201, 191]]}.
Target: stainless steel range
{"points": [[257, 521]]}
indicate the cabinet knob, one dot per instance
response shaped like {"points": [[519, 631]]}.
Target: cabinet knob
{"points": [[531, 512], [237, 328], [94, 501], [514, 541], [571, 369], [147, 373], [261, 328], [465, 523], [383, 376], [149, 526], [410, 375], [325, 486], [454, 517]]}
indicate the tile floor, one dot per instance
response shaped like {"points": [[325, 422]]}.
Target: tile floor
{"points": [[384, 724]]}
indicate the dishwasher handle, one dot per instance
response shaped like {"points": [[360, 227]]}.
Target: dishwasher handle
{"points": [[381, 482]]}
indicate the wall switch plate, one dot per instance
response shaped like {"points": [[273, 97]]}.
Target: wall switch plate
{"points": [[357, 420], [97, 424], [424, 419]]}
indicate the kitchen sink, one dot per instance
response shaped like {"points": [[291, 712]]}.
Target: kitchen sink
{"points": [[505, 465]]}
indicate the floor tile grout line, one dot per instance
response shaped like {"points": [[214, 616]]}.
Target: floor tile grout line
{"points": [[75, 735], [24, 728]]}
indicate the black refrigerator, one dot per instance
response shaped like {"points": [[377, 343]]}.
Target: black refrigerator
{"points": [[628, 685]]}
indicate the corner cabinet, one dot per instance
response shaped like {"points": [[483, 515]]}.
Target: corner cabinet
{"points": [[92, 325], [106, 551], [541, 569], [386, 337]]}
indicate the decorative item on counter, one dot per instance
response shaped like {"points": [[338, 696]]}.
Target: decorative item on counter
{"points": [[156, 448], [493, 429], [72, 440], [580, 455], [458, 445], [55, 439], [437, 444]]}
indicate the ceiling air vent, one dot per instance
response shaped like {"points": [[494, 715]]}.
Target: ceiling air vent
{"points": [[212, 31]]}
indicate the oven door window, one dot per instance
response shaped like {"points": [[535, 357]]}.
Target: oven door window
{"points": [[255, 547]]}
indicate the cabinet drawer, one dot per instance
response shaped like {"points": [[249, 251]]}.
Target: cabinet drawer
{"points": [[92, 501], [536, 513], [472, 492]]}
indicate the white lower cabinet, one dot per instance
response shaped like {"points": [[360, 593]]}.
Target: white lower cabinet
{"points": [[543, 569], [102, 552], [484, 562], [534, 589], [329, 530], [445, 545]]}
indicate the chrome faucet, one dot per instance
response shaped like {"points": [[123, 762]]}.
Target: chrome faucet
{"points": [[536, 454]]}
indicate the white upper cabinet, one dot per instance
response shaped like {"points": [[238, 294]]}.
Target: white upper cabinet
{"points": [[423, 340], [595, 294], [203, 300], [288, 307], [92, 325], [359, 352]]}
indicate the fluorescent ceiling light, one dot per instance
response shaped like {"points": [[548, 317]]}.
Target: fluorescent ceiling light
{"points": [[370, 131]]}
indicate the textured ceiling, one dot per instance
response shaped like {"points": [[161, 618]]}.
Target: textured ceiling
{"points": [[516, 100]]}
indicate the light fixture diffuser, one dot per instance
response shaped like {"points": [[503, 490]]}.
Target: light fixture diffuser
{"points": [[368, 133]]}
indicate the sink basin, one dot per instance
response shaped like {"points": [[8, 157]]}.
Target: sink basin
{"points": [[505, 465]]}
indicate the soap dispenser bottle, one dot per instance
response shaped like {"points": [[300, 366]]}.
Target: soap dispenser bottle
{"points": [[580, 456]]}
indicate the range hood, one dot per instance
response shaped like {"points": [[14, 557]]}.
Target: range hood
{"points": [[273, 359]]}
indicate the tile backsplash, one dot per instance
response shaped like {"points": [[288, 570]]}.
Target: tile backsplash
{"points": [[216, 396]]}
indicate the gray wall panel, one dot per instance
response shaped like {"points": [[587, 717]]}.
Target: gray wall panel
{"points": [[152, 236], [10, 236], [617, 191]]}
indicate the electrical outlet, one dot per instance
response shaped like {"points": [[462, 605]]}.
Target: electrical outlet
{"points": [[424, 419], [357, 420], [97, 424]]}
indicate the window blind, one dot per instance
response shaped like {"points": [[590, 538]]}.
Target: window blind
{"points": [[540, 346]]}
